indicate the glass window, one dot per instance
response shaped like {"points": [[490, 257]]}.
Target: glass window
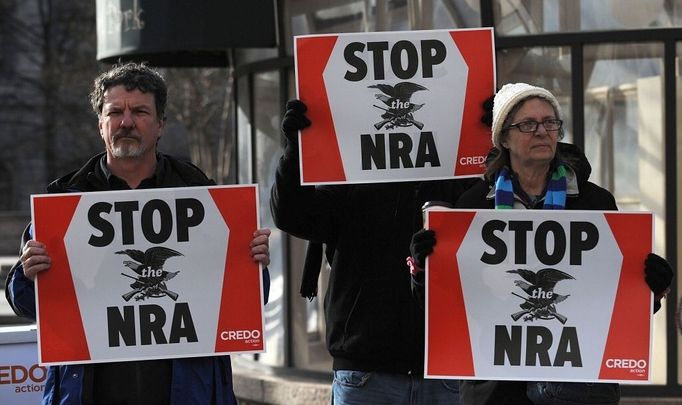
{"points": [[627, 14], [451, 14], [545, 67], [517, 17], [616, 76], [244, 149], [523, 17], [249, 55], [678, 279], [314, 17], [266, 89], [624, 139], [199, 120], [308, 17]]}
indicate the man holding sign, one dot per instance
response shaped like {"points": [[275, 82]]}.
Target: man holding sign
{"points": [[528, 173], [130, 102]]}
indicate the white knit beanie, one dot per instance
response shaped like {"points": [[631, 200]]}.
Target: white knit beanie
{"points": [[508, 97]]}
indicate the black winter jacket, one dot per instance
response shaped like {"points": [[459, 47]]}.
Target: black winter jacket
{"points": [[93, 176], [372, 321]]}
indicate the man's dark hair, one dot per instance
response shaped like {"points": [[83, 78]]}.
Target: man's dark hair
{"points": [[132, 76]]}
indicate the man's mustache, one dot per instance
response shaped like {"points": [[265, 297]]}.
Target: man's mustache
{"points": [[122, 134]]}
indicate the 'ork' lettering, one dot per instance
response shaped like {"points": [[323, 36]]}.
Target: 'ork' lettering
{"points": [[189, 212], [583, 236], [432, 53], [152, 319]]}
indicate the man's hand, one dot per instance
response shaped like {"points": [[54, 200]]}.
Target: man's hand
{"points": [[422, 245], [294, 120], [260, 250], [34, 259]]}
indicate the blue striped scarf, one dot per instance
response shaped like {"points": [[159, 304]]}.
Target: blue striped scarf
{"points": [[555, 196]]}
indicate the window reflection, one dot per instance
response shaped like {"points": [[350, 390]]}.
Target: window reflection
{"points": [[544, 67], [524, 17], [624, 139], [266, 153], [243, 112], [308, 17]]}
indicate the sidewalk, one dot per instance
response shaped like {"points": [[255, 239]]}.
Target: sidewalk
{"points": [[260, 385]]}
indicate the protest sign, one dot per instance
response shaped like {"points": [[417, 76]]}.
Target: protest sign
{"points": [[394, 106], [148, 274], [537, 295]]}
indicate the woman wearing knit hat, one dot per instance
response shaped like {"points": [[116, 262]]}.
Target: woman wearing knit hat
{"points": [[529, 172]]}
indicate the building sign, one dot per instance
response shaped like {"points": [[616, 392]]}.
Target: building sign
{"points": [[537, 295], [158, 273], [394, 106], [182, 33]]}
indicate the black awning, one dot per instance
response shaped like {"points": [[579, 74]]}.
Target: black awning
{"points": [[182, 33]]}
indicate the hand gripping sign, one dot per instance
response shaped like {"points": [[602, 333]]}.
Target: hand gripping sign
{"points": [[394, 106], [148, 274], [534, 295]]}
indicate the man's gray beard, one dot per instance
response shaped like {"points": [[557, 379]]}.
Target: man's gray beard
{"points": [[127, 151]]}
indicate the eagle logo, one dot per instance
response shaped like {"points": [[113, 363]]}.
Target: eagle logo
{"points": [[399, 109], [151, 278], [540, 300]]}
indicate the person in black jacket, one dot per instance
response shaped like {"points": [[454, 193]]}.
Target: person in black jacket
{"points": [[130, 102], [526, 129], [375, 330]]}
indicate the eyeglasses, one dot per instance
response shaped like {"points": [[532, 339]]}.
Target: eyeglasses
{"points": [[532, 126]]}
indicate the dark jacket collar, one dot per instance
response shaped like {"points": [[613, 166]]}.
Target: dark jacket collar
{"points": [[96, 176]]}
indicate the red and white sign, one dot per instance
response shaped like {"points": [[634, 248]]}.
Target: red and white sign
{"points": [[148, 274], [536, 295], [394, 106]]}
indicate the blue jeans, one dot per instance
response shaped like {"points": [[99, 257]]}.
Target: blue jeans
{"points": [[375, 388], [564, 393]]}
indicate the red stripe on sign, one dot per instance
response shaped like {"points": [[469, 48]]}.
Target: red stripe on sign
{"points": [[631, 319], [449, 344], [476, 47], [62, 337], [319, 145], [241, 301]]}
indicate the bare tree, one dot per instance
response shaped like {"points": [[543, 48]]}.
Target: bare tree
{"points": [[48, 61], [201, 102]]}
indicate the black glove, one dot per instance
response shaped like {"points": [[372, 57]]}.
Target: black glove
{"points": [[421, 245], [294, 120], [487, 117], [658, 273]]}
